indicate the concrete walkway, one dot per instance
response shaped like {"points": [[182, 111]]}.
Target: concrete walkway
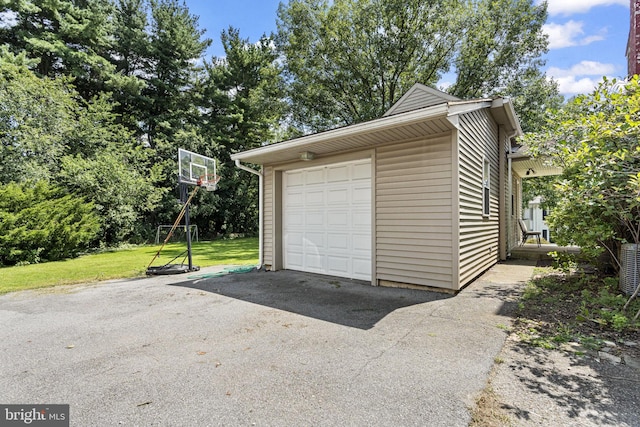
{"points": [[263, 348]]}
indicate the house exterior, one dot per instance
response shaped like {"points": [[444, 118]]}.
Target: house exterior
{"points": [[424, 196], [633, 44], [534, 216]]}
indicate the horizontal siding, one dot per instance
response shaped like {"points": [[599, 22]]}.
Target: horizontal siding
{"points": [[417, 99], [267, 243], [413, 213], [478, 236]]}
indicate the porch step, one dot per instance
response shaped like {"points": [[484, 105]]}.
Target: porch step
{"points": [[535, 253]]}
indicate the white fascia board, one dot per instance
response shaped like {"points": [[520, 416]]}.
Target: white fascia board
{"points": [[505, 106], [306, 142], [458, 108]]}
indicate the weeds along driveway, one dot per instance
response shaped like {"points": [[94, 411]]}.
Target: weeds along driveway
{"points": [[261, 348]]}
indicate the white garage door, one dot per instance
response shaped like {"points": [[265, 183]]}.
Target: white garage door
{"points": [[327, 219]]}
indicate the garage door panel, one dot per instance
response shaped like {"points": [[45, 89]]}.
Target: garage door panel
{"points": [[314, 242], [362, 195], [361, 243], [337, 242], [315, 263], [315, 197], [296, 219], [295, 197], [362, 171], [361, 219], [314, 218], [295, 179], [338, 266], [294, 259], [338, 173], [327, 219], [338, 218], [338, 196], [294, 239], [362, 268], [314, 176]]}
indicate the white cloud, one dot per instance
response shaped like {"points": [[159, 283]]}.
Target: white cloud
{"points": [[570, 85], [580, 78], [583, 68], [569, 34], [569, 7]]}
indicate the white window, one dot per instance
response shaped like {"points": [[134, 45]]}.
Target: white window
{"points": [[486, 187]]}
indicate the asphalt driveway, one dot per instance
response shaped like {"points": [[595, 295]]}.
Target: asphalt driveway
{"points": [[261, 348]]}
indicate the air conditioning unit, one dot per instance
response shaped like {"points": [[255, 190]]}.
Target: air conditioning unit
{"points": [[629, 268]]}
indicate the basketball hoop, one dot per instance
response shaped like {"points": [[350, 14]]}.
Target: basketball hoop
{"points": [[209, 181]]}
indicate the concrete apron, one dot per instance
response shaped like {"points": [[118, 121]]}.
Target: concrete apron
{"points": [[264, 348]]}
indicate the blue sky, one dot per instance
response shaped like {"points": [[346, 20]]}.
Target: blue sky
{"points": [[588, 38]]}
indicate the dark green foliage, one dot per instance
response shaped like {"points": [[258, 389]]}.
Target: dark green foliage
{"points": [[503, 42], [130, 54], [49, 133], [169, 99], [349, 61], [40, 222], [115, 182], [533, 95], [243, 103], [65, 37], [37, 120], [595, 138], [545, 187]]}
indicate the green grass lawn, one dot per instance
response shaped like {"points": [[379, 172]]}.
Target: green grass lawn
{"points": [[125, 263]]}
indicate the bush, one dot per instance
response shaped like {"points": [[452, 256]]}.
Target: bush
{"points": [[39, 222]]}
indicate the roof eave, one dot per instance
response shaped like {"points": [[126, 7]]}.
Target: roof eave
{"points": [[505, 114], [306, 142]]}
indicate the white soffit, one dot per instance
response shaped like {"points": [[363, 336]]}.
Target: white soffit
{"points": [[413, 124], [534, 168], [404, 126]]}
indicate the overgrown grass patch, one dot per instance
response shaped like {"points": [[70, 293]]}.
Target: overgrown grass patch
{"points": [[125, 263], [558, 308]]}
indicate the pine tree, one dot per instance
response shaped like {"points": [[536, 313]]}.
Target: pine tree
{"points": [[65, 37]]}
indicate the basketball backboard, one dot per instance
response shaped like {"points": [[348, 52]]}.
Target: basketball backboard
{"points": [[195, 168]]}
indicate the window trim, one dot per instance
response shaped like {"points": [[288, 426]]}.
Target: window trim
{"points": [[486, 187]]}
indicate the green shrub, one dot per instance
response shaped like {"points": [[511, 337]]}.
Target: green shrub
{"points": [[39, 222]]}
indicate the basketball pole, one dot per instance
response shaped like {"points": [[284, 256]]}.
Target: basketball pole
{"points": [[183, 196], [188, 228]]}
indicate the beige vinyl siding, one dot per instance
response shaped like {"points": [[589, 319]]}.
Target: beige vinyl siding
{"points": [[413, 213], [267, 212], [417, 99], [478, 140]]}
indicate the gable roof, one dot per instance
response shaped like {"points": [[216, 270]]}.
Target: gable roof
{"points": [[419, 96]]}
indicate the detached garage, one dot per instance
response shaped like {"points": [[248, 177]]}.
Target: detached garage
{"points": [[420, 197]]}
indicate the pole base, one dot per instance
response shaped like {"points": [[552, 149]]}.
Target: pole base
{"points": [[164, 270]]}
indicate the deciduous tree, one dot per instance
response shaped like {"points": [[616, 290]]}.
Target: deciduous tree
{"points": [[348, 61], [596, 139]]}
